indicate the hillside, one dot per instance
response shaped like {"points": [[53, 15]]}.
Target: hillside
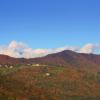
{"points": [[4, 59], [72, 59], [66, 75], [64, 58]]}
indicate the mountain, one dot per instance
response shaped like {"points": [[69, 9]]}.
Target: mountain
{"points": [[66, 58], [72, 59]]}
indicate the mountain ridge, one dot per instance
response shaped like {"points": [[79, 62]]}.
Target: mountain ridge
{"points": [[64, 58]]}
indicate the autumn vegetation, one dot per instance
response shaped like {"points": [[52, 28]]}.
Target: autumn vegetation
{"points": [[63, 76]]}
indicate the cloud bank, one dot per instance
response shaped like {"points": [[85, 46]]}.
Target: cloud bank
{"points": [[21, 50]]}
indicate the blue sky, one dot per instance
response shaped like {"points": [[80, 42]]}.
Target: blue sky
{"points": [[50, 23]]}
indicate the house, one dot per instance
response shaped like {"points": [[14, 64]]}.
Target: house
{"points": [[47, 74], [36, 65], [11, 67], [28, 64]]}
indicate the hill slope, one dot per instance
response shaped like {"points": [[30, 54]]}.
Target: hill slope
{"points": [[72, 59], [65, 75], [63, 58]]}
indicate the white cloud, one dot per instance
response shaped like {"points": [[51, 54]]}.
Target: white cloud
{"points": [[14, 49], [18, 49], [89, 48], [17, 45]]}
